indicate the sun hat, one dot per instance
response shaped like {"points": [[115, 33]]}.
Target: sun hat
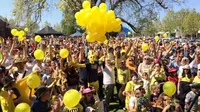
{"points": [[186, 67], [40, 91], [7, 80], [172, 70], [137, 87], [87, 90]]}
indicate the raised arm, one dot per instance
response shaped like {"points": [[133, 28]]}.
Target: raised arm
{"points": [[12, 47], [25, 50]]}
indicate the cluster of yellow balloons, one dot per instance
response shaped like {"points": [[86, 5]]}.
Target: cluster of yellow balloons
{"points": [[71, 98], [145, 47], [20, 34], [39, 54], [64, 53], [169, 88], [157, 38], [33, 81], [97, 21], [38, 38], [22, 107]]}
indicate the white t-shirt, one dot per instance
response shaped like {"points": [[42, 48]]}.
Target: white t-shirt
{"points": [[145, 84], [29, 67], [132, 101], [108, 75], [36, 67]]}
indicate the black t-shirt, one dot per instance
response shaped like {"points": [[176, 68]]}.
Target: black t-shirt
{"points": [[39, 106], [83, 74], [92, 71], [154, 97]]}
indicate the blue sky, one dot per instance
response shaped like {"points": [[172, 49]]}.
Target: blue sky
{"points": [[54, 15]]}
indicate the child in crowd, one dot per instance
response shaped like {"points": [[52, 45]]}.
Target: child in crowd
{"points": [[154, 97], [89, 100], [190, 98]]}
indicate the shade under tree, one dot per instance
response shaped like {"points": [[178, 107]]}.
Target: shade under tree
{"points": [[5, 30], [47, 31]]}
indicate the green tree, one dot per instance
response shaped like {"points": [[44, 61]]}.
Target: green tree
{"points": [[191, 22], [46, 23], [58, 27], [185, 21], [169, 24], [28, 13], [68, 24], [135, 13]]}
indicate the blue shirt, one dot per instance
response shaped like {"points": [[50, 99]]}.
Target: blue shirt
{"points": [[39, 106]]}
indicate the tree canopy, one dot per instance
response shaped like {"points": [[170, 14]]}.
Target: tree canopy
{"points": [[187, 22], [140, 15]]}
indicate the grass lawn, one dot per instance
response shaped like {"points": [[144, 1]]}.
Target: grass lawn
{"points": [[114, 105]]}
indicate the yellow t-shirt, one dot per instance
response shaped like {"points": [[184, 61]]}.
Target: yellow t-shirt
{"points": [[6, 102], [78, 108], [196, 80], [130, 88], [123, 76], [185, 79]]}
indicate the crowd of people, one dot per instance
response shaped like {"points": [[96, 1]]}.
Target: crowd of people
{"points": [[99, 71]]}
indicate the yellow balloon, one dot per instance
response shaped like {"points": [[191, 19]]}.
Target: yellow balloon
{"points": [[21, 33], [101, 38], [145, 47], [81, 18], [165, 35], [90, 39], [17, 34], [117, 28], [129, 33], [118, 21], [103, 6], [71, 98], [22, 107], [26, 29], [86, 4], [64, 53], [38, 38], [20, 38], [14, 32], [33, 81], [39, 54], [157, 38], [77, 15], [111, 14], [169, 88]]}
